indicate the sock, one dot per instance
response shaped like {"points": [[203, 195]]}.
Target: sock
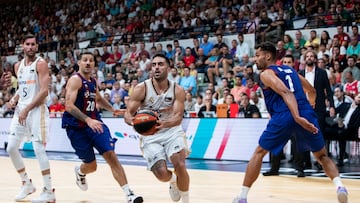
{"points": [[244, 192], [184, 196], [337, 182], [126, 189], [24, 177], [80, 173], [47, 181], [173, 178]]}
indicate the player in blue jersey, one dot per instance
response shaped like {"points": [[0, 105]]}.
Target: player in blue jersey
{"points": [[86, 130], [291, 114]]}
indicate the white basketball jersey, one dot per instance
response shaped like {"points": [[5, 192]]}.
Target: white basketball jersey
{"points": [[161, 103], [28, 81]]}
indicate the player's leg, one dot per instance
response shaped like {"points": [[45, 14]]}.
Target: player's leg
{"points": [[105, 144], [177, 150], [254, 166], [47, 194], [38, 123], [183, 179], [80, 141], [251, 174], [17, 133], [333, 173]]}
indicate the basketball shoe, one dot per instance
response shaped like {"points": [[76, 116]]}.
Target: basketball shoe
{"points": [[46, 196], [132, 198], [80, 179], [174, 192], [239, 200], [26, 189], [342, 195]]}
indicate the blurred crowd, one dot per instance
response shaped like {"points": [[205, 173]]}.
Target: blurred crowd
{"points": [[212, 72]]}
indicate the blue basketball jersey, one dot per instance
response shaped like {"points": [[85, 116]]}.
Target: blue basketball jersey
{"points": [[85, 101], [274, 102]]}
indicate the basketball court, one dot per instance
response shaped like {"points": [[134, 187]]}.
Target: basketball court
{"points": [[211, 182]]}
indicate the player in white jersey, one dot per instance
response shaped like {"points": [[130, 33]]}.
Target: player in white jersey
{"points": [[169, 142], [31, 119]]}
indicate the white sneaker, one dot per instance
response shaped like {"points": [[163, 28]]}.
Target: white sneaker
{"points": [[80, 179], [132, 198], [46, 196], [174, 192], [26, 189]]}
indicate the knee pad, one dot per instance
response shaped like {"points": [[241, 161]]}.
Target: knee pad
{"points": [[41, 155]]}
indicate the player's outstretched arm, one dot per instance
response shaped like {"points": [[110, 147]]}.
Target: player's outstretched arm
{"points": [[136, 98]]}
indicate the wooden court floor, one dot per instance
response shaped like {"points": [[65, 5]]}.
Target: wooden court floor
{"points": [[206, 186]]}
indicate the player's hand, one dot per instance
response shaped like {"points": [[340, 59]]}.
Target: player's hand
{"points": [[307, 125], [22, 117], [95, 125]]}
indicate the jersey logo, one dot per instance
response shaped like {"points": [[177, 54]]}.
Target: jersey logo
{"points": [[86, 93], [32, 70]]}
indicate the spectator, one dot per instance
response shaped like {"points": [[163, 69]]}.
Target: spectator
{"points": [[188, 58], [313, 40], [211, 63], [352, 86], [207, 107], [341, 35], [264, 26], [173, 75], [259, 102], [117, 103], [188, 82], [246, 109], [354, 47], [206, 45], [353, 68], [141, 75], [243, 49], [225, 61], [340, 97], [238, 88], [198, 104], [189, 102], [200, 61]]}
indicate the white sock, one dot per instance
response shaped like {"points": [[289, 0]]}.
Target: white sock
{"points": [[126, 189], [244, 192], [47, 181], [80, 173], [24, 177], [173, 178], [184, 196], [337, 182]]}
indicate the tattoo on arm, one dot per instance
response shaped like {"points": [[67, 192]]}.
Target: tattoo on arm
{"points": [[78, 114]]}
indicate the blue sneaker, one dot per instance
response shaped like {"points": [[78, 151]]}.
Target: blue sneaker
{"points": [[239, 200], [342, 195]]}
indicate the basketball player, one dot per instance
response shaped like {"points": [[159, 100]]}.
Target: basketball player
{"points": [[86, 130], [31, 119], [291, 113], [168, 143]]}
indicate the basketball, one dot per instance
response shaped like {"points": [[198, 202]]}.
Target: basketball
{"points": [[144, 122]]}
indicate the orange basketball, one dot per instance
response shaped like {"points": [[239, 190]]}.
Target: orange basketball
{"points": [[144, 122]]}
